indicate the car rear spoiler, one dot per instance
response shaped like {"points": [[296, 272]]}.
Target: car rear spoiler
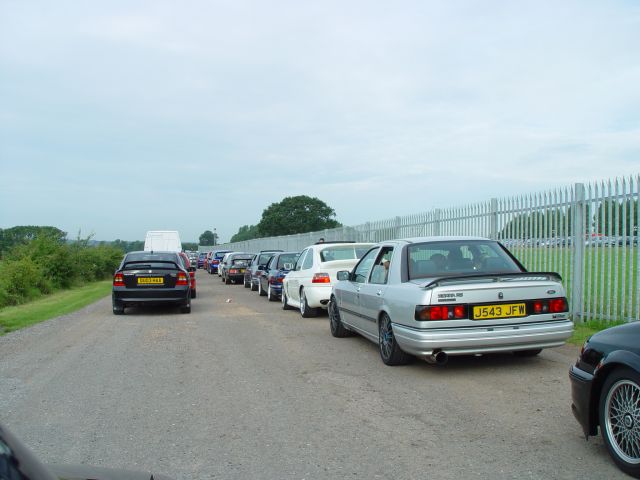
{"points": [[492, 277]]}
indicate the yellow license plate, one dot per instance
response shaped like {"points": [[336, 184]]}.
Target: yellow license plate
{"points": [[508, 310], [150, 280]]}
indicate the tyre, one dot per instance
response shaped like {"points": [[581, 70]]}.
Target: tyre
{"points": [[185, 309], [620, 419], [118, 309], [254, 287], [270, 295], [305, 310], [227, 281], [261, 292], [193, 293], [390, 352], [247, 284], [335, 323], [527, 353], [285, 300]]}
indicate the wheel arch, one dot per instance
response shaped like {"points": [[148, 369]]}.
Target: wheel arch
{"points": [[614, 361]]}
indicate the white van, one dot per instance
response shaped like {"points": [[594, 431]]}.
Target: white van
{"points": [[162, 241]]}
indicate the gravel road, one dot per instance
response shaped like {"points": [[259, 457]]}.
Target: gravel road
{"points": [[241, 389]]}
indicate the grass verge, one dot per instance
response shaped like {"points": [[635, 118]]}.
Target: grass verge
{"points": [[583, 331], [54, 305]]}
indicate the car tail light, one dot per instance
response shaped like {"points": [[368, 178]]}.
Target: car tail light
{"points": [[215, 262], [274, 280], [321, 278], [553, 305], [440, 312], [118, 280], [182, 279]]}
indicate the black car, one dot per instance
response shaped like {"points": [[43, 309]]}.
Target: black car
{"points": [[605, 389], [235, 266], [18, 462], [256, 267], [270, 282], [151, 278]]}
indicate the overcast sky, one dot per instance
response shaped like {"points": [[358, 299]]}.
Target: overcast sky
{"points": [[120, 117]]}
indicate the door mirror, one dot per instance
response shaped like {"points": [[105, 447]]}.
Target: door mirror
{"points": [[343, 275]]}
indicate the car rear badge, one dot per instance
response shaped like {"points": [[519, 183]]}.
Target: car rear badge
{"points": [[500, 295], [551, 292]]}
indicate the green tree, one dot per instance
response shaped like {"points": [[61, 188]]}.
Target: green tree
{"points": [[23, 234], [299, 214], [246, 232], [208, 238]]}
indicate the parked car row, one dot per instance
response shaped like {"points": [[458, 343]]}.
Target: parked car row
{"points": [[431, 298]]}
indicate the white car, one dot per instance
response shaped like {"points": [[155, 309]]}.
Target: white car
{"points": [[432, 297], [308, 286]]}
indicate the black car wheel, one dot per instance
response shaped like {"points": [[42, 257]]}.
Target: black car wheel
{"points": [[261, 291], [247, 284], [620, 419], [193, 293], [254, 287], [227, 281], [390, 352], [118, 309], [335, 323], [185, 309], [285, 300], [305, 310], [270, 295]]}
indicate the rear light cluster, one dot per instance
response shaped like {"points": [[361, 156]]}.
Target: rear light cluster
{"points": [[553, 305], [182, 279], [321, 278], [118, 280], [425, 313], [274, 280], [440, 312]]}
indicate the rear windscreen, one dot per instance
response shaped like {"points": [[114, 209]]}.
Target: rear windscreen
{"points": [[342, 253], [287, 258], [141, 265]]}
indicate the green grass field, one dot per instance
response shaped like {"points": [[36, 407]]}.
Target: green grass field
{"points": [[50, 306]]}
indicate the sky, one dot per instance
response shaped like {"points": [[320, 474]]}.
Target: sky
{"points": [[125, 116]]}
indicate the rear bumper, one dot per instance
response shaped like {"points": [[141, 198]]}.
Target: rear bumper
{"points": [[125, 297], [318, 295], [581, 391], [465, 341]]}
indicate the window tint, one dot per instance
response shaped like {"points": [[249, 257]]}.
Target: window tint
{"points": [[343, 252], [435, 259]]}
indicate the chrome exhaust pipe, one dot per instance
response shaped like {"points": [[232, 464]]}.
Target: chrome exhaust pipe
{"points": [[437, 357]]}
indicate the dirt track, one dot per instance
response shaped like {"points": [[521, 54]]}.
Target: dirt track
{"points": [[242, 389]]}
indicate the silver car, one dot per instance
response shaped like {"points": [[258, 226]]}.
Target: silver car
{"points": [[432, 297]]}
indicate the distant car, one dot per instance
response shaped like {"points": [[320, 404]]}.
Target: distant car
{"points": [[234, 266], [201, 258], [190, 267], [273, 273], [18, 462], [308, 286], [433, 297], [151, 278], [215, 260], [254, 272], [605, 391]]}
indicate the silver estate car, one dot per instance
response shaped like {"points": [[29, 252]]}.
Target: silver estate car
{"points": [[432, 297]]}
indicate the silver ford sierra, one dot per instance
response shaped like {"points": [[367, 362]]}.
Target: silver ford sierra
{"points": [[432, 297]]}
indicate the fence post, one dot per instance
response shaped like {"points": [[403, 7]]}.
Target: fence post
{"points": [[396, 233], [578, 234], [493, 220], [437, 215]]}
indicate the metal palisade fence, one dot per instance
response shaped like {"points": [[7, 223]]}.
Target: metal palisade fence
{"points": [[588, 233]]}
